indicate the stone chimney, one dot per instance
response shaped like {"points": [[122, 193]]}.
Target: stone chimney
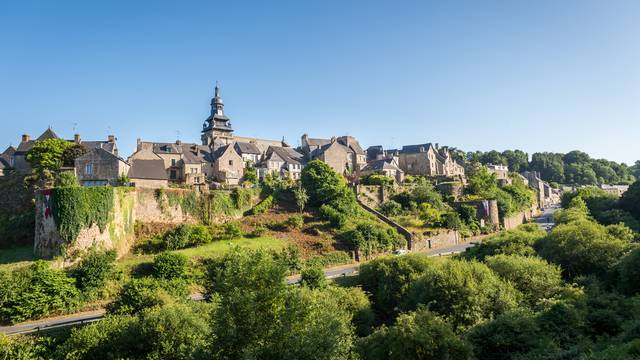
{"points": [[333, 139], [178, 142], [76, 138], [111, 138], [26, 137]]}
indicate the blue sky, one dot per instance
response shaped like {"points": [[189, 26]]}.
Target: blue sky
{"points": [[533, 75]]}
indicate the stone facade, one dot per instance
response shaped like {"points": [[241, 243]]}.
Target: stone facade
{"points": [[344, 154], [429, 160], [227, 165], [99, 167]]}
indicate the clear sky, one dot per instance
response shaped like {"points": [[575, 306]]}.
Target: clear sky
{"points": [[534, 75]]}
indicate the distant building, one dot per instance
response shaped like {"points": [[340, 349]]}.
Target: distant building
{"points": [[6, 160], [384, 167], [546, 195], [184, 163], [282, 161], [99, 167], [429, 160], [226, 165], [148, 173], [502, 173], [615, 190], [344, 154]]}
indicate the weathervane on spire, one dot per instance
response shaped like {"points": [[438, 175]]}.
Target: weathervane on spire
{"points": [[217, 91]]}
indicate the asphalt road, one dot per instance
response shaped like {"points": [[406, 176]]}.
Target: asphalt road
{"points": [[545, 220]]}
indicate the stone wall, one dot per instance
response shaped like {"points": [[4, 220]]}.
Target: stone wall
{"points": [[118, 234], [438, 239], [514, 221], [153, 205], [486, 210]]}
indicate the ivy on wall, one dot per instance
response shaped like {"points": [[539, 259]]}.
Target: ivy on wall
{"points": [[81, 207]]}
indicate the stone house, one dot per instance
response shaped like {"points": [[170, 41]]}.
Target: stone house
{"points": [[385, 167], [99, 167], [148, 173], [6, 160], [546, 195], [226, 165], [615, 190], [21, 164], [184, 162], [429, 160], [249, 151], [283, 161], [344, 154], [502, 173]]}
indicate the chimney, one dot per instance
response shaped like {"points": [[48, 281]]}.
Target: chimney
{"points": [[111, 138], [76, 138], [333, 139], [437, 146], [26, 138], [178, 142]]}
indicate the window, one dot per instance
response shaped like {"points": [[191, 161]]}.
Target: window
{"points": [[197, 180], [88, 169], [172, 175], [173, 162], [230, 162], [194, 170]]}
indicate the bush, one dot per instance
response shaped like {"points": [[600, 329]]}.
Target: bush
{"points": [[289, 258], [391, 208], [187, 235], [372, 237], [258, 231], [534, 277], [313, 277], [263, 206], [294, 222], [416, 335], [336, 218], [34, 292], [139, 294], [232, 230], [377, 179], [94, 269], [629, 270], [168, 265], [519, 241], [464, 293], [582, 248]]}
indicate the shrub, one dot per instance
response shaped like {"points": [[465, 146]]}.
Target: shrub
{"points": [[377, 179], [94, 269], [294, 222], [67, 179], [582, 248], [534, 277], [629, 270], [464, 293], [415, 335], [139, 294], [289, 258], [232, 230], [313, 277], [35, 291], [391, 208], [336, 218], [519, 241], [263, 206], [168, 265], [371, 237], [187, 235], [258, 231]]}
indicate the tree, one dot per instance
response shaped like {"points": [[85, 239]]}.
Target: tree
{"points": [[322, 183], [46, 155], [67, 179], [313, 277], [463, 293], [258, 316], [517, 160], [630, 200], [94, 269], [301, 196], [143, 293], [582, 247], [519, 241], [507, 337], [169, 265], [482, 182], [71, 153], [535, 278], [629, 270], [415, 335]]}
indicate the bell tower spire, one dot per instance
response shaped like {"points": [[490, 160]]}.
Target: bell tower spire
{"points": [[217, 125]]}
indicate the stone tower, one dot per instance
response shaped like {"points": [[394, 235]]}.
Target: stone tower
{"points": [[217, 126]]}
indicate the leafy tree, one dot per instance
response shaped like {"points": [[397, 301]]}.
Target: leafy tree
{"points": [[250, 173], [517, 160], [355, 302], [169, 265], [482, 182], [46, 155], [34, 292], [629, 270], [415, 335], [322, 183], [371, 237], [301, 196], [258, 316], [549, 165], [582, 247], [313, 277], [519, 241], [387, 279], [391, 208], [533, 277], [94, 269], [139, 294], [463, 293], [507, 337], [71, 153], [630, 200]]}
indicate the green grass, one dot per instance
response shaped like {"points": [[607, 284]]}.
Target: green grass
{"points": [[16, 257], [214, 249]]}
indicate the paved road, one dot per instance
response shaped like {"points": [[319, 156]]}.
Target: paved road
{"points": [[545, 220]]}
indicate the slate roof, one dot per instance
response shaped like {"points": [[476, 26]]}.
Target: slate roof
{"points": [[318, 142], [352, 143], [4, 164], [288, 155], [105, 154], [379, 165], [9, 151], [47, 134], [414, 149], [105, 145], [147, 169], [247, 148]]}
